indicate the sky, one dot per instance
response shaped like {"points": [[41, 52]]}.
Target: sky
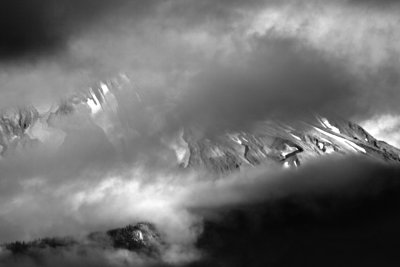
{"points": [[291, 56], [339, 55], [212, 64]]}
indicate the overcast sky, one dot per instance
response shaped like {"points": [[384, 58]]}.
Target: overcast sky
{"points": [[248, 58]]}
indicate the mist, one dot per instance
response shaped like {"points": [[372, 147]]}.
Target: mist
{"points": [[179, 203]]}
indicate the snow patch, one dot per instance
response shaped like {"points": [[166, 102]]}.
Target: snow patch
{"points": [[328, 125], [343, 141], [286, 165], [93, 102], [235, 138], [104, 88], [288, 150], [329, 149], [296, 137]]}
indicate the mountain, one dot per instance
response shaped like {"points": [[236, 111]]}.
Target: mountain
{"points": [[103, 108], [289, 144], [141, 238]]}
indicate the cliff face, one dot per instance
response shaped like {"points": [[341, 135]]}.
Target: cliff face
{"points": [[14, 127]]}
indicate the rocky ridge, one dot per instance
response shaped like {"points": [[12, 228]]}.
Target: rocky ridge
{"points": [[142, 238], [289, 144]]}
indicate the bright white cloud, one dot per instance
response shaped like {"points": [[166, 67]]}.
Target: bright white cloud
{"points": [[385, 127]]}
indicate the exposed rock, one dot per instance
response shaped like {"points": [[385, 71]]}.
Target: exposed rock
{"points": [[141, 238], [14, 124]]}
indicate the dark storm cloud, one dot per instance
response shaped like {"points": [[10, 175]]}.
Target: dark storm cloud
{"points": [[41, 27], [322, 57], [330, 212], [347, 178], [54, 48], [278, 78], [27, 25], [166, 40]]}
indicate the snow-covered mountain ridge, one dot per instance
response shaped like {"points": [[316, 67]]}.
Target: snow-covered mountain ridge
{"points": [[289, 144]]}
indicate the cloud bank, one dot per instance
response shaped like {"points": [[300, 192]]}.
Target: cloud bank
{"points": [[184, 206]]}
